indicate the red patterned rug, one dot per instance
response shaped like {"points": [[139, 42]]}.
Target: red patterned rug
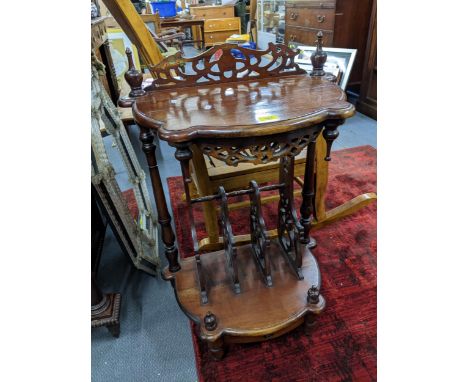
{"points": [[342, 346]]}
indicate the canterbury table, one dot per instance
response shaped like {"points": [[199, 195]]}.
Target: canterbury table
{"points": [[259, 107]]}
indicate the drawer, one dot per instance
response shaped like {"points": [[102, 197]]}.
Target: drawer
{"points": [[311, 4], [306, 36], [212, 12], [311, 17], [218, 37], [227, 24]]}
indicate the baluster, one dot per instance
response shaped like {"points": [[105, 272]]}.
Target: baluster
{"points": [[308, 193], [164, 219]]}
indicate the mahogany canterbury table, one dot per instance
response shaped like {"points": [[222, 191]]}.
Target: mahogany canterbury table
{"points": [[243, 110]]}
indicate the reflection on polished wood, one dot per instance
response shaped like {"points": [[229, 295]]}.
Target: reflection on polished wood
{"points": [[248, 108]]}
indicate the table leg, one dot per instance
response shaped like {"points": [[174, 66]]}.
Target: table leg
{"points": [[321, 179], [164, 219], [308, 192], [202, 180], [202, 29]]}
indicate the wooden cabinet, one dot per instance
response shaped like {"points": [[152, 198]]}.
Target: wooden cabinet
{"points": [[345, 24], [303, 19], [367, 103], [218, 30], [220, 22], [212, 11]]}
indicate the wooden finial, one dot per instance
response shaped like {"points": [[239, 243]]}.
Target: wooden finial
{"points": [[133, 77], [313, 295], [319, 57], [210, 321], [330, 133]]}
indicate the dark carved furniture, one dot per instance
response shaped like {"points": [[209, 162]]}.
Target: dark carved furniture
{"points": [[105, 308], [243, 110]]}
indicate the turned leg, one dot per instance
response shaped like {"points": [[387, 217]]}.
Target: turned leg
{"points": [[164, 219], [308, 193], [217, 348], [114, 330], [183, 154], [321, 179], [204, 188]]}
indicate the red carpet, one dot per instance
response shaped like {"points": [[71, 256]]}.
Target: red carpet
{"points": [[342, 346]]}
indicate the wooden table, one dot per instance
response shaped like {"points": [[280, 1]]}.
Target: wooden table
{"points": [[269, 286], [185, 23]]}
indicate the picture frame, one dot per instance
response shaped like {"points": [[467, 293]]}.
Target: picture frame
{"points": [[340, 61]]}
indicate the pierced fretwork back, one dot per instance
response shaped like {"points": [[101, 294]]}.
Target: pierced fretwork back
{"points": [[224, 63]]}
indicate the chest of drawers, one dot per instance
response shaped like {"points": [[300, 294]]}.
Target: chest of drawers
{"points": [[303, 19], [220, 22]]}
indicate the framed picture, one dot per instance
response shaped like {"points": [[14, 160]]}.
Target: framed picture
{"points": [[339, 62]]}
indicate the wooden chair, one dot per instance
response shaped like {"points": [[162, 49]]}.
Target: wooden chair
{"points": [[162, 36]]}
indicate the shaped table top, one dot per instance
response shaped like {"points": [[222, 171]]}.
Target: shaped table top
{"points": [[253, 107]]}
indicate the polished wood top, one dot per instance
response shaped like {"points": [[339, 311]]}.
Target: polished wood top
{"points": [[254, 107]]}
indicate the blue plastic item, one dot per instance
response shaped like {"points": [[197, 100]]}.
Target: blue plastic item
{"points": [[165, 8], [238, 54]]}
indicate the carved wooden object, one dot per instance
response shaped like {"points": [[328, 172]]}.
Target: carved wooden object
{"points": [[230, 251], [319, 57], [218, 65], [244, 110], [260, 238], [105, 309]]}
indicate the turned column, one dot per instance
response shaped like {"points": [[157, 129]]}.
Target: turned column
{"points": [[164, 219], [308, 191]]}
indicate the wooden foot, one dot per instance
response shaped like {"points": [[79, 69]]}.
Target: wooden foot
{"points": [[107, 313], [217, 349], [345, 209], [309, 321], [114, 330]]}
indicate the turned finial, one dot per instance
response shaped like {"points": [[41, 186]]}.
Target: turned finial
{"points": [[319, 57], [313, 295], [133, 77], [330, 133], [210, 321]]}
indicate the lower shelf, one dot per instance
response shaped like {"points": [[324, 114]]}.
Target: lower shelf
{"points": [[257, 313]]}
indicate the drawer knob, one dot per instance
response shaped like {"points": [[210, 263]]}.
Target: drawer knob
{"points": [[293, 16], [320, 18], [292, 37]]}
